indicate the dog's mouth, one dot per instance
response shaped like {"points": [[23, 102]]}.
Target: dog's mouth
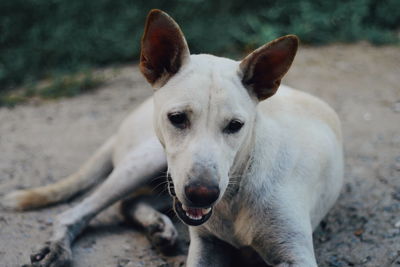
{"points": [[192, 216]]}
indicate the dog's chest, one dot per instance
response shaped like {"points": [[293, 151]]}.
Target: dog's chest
{"points": [[222, 223]]}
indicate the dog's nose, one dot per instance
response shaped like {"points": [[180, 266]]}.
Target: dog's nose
{"points": [[201, 195]]}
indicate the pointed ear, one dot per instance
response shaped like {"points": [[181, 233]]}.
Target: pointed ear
{"points": [[164, 48], [264, 68]]}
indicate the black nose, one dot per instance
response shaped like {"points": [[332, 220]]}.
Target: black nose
{"points": [[201, 195]]}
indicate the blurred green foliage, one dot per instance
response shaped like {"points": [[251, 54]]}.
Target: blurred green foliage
{"points": [[67, 85], [43, 37]]}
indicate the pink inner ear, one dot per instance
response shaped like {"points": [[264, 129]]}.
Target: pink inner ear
{"points": [[162, 47], [270, 64], [268, 71]]}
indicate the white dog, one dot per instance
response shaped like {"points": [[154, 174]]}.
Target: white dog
{"points": [[242, 173]]}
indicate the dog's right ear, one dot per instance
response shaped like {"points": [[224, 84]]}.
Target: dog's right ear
{"points": [[164, 48], [263, 70]]}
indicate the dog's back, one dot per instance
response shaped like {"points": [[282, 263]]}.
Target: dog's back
{"points": [[312, 131], [299, 105]]}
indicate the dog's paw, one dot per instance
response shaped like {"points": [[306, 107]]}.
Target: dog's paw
{"points": [[163, 234], [52, 254], [177, 261]]}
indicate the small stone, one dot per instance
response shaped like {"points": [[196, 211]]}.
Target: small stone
{"points": [[49, 221], [333, 261], [3, 220], [366, 259], [396, 106], [367, 116], [396, 195], [359, 232], [123, 262], [397, 224]]}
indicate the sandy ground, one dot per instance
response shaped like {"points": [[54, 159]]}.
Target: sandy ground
{"points": [[43, 142]]}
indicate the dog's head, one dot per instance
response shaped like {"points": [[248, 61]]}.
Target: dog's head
{"points": [[205, 108]]}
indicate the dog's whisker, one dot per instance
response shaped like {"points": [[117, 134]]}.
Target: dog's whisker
{"points": [[158, 178], [159, 185]]}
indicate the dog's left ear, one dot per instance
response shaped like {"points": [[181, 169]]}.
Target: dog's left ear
{"points": [[164, 48], [263, 69]]}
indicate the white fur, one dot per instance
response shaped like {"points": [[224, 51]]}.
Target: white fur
{"points": [[278, 176], [293, 139]]}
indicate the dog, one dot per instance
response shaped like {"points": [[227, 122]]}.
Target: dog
{"points": [[250, 162]]}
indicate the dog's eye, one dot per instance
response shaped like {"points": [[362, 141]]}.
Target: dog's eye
{"points": [[233, 126], [179, 120]]}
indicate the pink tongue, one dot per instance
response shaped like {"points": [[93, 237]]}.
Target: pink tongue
{"points": [[195, 212]]}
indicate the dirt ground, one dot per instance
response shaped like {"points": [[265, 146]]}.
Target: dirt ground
{"points": [[42, 142]]}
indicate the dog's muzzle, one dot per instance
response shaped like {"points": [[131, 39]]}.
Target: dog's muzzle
{"points": [[188, 215]]}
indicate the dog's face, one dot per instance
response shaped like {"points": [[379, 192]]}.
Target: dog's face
{"points": [[203, 116], [205, 109]]}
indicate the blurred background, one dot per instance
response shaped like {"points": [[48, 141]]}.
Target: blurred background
{"points": [[51, 50], [51, 38]]}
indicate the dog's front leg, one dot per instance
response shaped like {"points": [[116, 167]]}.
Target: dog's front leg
{"points": [[139, 165], [206, 250], [283, 237], [286, 248]]}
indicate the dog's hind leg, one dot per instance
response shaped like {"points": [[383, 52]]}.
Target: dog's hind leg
{"points": [[135, 169], [91, 173], [147, 212], [158, 227]]}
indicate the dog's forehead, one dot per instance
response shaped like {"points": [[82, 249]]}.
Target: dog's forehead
{"points": [[212, 64], [205, 79]]}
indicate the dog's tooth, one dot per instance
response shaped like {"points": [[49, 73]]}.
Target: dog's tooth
{"points": [[185, 208], [205, 211], [193, 217]]}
